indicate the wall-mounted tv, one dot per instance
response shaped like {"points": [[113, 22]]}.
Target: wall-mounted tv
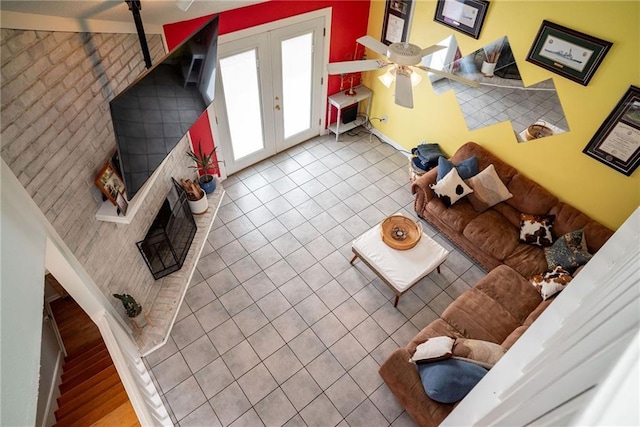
{"points": [[152, 115]]}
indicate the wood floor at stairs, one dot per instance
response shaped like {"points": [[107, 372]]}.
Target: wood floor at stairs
{"points": [[91, 391]]}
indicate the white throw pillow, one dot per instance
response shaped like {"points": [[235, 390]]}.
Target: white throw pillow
{"points": [[433, 349], [451, 188]]}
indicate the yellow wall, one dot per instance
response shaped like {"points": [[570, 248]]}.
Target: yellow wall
{"points": [[556, 162]]}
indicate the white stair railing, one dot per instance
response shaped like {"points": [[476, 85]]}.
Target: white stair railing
{"points": [[134, 375]]}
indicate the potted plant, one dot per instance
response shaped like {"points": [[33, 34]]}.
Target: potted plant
{"points": [[207, 166], [133, 309], [196, 199]]}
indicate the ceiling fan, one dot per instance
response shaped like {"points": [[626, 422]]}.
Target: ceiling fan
{"points": [[404, 57]]}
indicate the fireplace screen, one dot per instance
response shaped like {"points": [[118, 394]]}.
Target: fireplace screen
{"points": [[167, 242]]}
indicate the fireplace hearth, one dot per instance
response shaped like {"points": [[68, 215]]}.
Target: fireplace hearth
{"points": [[167, 242]]}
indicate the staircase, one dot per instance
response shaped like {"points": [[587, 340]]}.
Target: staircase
{"points": [[91, 393]]}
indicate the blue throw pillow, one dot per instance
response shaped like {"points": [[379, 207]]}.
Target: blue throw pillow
{"points": [[466, 168], [448, 381]]}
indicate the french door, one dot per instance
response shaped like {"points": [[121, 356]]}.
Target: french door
{"points": [[268, 92]]}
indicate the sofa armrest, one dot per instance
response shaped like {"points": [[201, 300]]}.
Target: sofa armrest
{"points": [[402, 378], [422, 191]]}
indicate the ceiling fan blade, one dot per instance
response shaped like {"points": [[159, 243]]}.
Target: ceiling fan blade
{"points": [[449, 76], [432, 49], [355, 66], [404, 91], [373, 44]]}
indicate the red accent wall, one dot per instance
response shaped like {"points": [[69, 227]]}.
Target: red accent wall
{"points": [[348, 22], [200, 134]]}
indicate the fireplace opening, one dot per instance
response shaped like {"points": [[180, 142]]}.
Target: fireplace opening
{"points": [[167, 242]]}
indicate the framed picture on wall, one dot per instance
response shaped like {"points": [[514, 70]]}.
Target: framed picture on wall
{"points": [[466, 16], [397, 21], [569, 53], [111, 185], [617, 141]]}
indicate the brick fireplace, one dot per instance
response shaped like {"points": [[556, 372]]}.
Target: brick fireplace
{"points": [[56, 134]]}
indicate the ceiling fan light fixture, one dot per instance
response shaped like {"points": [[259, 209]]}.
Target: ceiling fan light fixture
{"points": [[388, 77]]}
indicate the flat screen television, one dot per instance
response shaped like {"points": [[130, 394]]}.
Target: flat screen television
{"points": [[154, 113]]}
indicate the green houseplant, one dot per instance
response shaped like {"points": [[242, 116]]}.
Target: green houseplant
{"points": [[130, 304], [134, 311], [205, 163]]}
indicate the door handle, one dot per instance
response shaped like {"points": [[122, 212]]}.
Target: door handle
{"points": [[278, 107]]}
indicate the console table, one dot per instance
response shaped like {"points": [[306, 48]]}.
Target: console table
{"points": [[340, 100]]}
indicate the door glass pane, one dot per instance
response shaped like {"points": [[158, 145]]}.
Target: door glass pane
{"points": [[297, 59], [242, 98]]}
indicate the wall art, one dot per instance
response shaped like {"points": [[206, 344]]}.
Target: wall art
{"points": [[567, 52], [466, 16]]}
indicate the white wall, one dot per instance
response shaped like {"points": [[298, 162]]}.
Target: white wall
{"points": [[22, 289], [51, 357]]}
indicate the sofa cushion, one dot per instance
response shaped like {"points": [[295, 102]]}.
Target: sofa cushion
{"points": [[536, 229], [512, 291], [483, 353], [514, 336], [451, 188], [569, 252], [466, 169], [448, 381], [530, 197], [528, 260], [476, 315], [493, 234], [488, 189], [457, 217], [551, 282]]}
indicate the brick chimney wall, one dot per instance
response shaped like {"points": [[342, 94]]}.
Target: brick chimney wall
{"points": [[56, 134]]}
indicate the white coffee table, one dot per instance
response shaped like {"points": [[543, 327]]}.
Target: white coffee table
{"points": [[400, 270]]}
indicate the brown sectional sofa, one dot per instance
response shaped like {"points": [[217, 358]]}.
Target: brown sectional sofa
{"points": [[501, 306], [491, 237]]}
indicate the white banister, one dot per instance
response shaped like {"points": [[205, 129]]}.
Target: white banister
{"points": [[136, 380]]}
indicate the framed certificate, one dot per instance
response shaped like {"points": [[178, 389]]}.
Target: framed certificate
{"points": [[466, 16], [617, 141], [397, 21]]}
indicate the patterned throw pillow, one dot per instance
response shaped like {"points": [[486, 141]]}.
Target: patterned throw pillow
{"points": [[551, 282], [483, 353], [536, 229], [466, 168], [569, 251], [488, 189], [451, 188]]}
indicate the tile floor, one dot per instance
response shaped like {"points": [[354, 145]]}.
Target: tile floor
{"points": [[277, 327]]}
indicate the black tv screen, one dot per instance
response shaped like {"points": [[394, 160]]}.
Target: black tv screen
{"points": [[154, 113]]}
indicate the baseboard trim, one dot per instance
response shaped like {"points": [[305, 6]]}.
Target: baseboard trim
{"points": [[391, 142]]}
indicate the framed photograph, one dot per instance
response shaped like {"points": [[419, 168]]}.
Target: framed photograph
{"points": [[572, 54], [397, 21], [110, 183], [122, 204], [617, 141], [466, 16]]}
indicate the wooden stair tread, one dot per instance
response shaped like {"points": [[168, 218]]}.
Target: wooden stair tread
{"points": [[85, 402], [79, 375], [71, 370], [123, 416], [71, 361], [89, 382], [93, 413], [80, 394]]}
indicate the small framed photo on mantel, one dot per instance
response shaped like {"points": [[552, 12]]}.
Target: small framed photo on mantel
{"points": [[617, 141], [112, 186], [466, 16], [569, 53]]}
